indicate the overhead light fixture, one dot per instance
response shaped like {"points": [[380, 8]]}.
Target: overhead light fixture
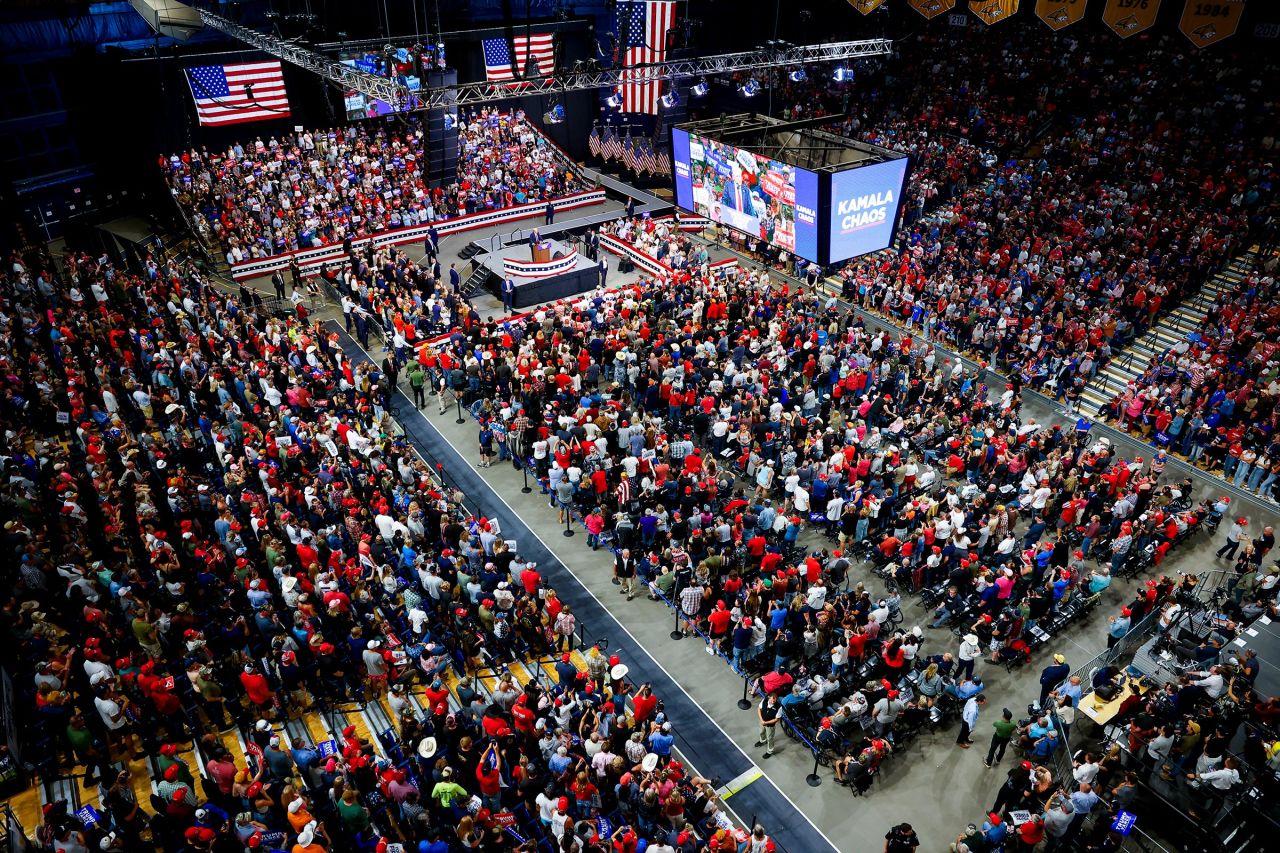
{"points": [[750, 88], [700, 89], [798, 76], [843, 75], [613, 101], [555, 115], [670, 99]]}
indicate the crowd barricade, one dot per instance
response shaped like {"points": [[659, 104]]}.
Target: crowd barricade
{"points": [[310, 260]]}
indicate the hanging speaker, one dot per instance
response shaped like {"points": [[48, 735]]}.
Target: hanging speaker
{"points": [[169, 18]]}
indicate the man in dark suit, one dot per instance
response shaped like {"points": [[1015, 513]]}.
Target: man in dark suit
{"points": [[604, 270], [737, 195], [550, 212], [631, 207], [455, 278], [508, 294], [277, 281]]}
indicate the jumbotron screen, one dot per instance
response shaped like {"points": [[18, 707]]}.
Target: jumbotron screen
{"points": [[864, 208], [748, 192]]}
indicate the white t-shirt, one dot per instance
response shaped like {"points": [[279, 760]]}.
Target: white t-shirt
{"points": [[108, 709]]}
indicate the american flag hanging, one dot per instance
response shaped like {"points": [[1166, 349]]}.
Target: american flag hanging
{"points": [[664, 163], [231, 94], [642, 29], [498, 64], [593, 142]]}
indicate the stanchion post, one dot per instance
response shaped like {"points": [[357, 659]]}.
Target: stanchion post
{"points": [[568, 521], [744, 703], [676, 633], [813, 778], [524, 470], [458, 401]]}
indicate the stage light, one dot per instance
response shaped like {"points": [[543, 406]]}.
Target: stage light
{"points": [[700, 89], [555, 115], [749, 89], [843, 75], [799, 76], [670, 99], [613, 101]]}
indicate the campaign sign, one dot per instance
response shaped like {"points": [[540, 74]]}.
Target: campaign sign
{"points": [[1124, 822], [327, 748], [88, 816]]}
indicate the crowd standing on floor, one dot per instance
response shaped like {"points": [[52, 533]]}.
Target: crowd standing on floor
{"points": [[224, 531]]}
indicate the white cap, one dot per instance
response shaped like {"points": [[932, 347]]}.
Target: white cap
{"points": [[373, 644], [262, 725], [305, 837], [295, 806]]}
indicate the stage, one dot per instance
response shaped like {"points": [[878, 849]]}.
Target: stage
{"points": [[550, 271]]}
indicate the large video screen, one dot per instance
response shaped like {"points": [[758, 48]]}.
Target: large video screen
{"points": [[864, 208], [746, 191]]}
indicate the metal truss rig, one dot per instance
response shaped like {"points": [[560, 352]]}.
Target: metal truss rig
{"points": [[706, 66], [466, 94], [345, 76]]}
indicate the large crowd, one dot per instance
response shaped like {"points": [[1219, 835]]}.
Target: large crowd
{"points": [[1211, 397], [214, 527], [318, 187]]}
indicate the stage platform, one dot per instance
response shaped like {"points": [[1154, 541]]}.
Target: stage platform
{"points": [[555, 270]]}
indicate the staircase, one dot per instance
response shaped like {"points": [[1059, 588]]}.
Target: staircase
{"points": [[1172, 327], [475, 282]]}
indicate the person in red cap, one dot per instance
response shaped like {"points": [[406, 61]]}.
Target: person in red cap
{"points": [[1235, 535]]}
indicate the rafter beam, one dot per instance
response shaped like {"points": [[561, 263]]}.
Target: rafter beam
{"points": [[335, 72]]}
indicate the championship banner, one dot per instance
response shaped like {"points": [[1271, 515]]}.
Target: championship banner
{"points": [[994, 11], [932, 8], [1130, 17], [866, 7], [1210, 23], [1060, 13]]}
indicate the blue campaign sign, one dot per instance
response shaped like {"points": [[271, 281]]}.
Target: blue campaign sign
{"points": [[327, 748], [88, 816], [1124, 822]]}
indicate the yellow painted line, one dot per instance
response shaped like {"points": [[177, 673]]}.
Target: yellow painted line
{"points": [[739, 782]]}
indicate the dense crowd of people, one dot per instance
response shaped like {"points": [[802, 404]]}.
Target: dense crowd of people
{"points": [[225, 531], [1211, 397], [317, 187]]}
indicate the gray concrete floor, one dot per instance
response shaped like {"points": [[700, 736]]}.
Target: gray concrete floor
{"points": [[935, 786]]}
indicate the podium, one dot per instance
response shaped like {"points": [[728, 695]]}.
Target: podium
{"points": [[541, 252]]}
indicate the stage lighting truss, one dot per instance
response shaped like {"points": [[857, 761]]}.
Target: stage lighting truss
{"points": [[466, 94]]}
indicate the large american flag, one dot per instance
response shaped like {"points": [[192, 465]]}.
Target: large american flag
{"points": [[230, 94], [498, 62], [642, 30]]}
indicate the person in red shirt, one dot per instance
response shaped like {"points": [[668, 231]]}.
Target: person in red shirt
{"points": [[256, 686], [489, 777], [643, 704], [719, 620]]}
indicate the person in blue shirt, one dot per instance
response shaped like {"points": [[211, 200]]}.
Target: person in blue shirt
{"points": [[661, 740]]}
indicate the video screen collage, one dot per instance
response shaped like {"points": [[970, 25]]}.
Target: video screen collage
{"points": [[748, 192]]}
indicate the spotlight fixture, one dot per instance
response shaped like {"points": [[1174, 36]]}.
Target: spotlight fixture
{"points": [[613, 101], [749, 89], [555, 115], [798, 76], [843, 75], [670, 99], [700, 89]]}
